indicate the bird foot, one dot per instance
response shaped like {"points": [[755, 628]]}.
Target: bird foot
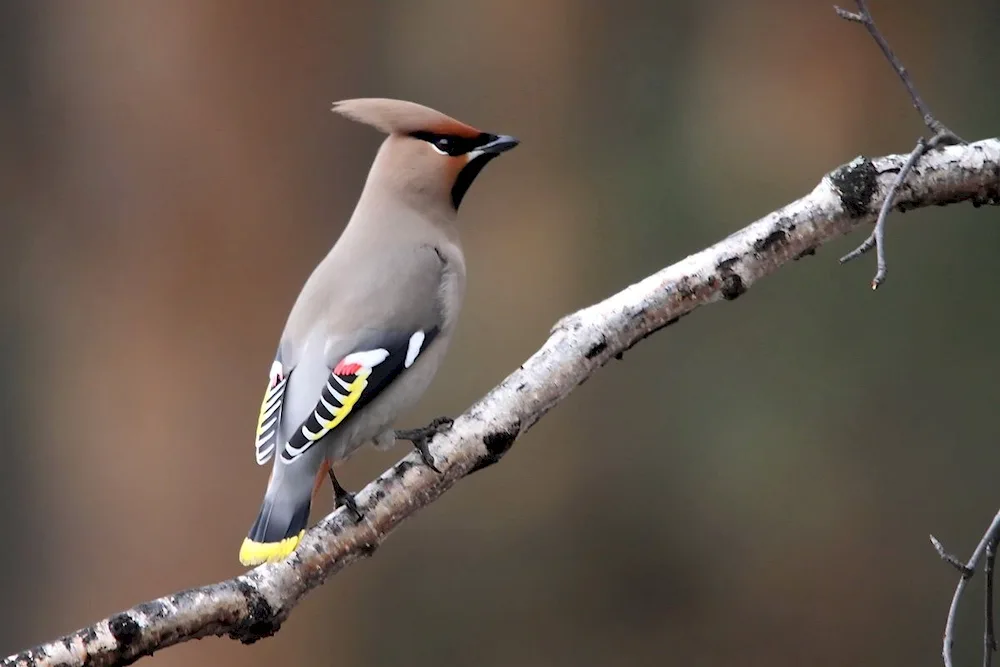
{"points": [[347, 500], [420, 437], [344, 498]]}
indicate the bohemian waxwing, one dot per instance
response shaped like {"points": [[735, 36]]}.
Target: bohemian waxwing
{"points": [[372, 323]]}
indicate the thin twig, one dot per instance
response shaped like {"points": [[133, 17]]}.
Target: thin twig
{"points": [[967, 569], [951, 559], [864, 17], [941, 136], [877, 238], [989, 637]]}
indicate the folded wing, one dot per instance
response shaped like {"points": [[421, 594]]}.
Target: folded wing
{"points": [[355, 381]]}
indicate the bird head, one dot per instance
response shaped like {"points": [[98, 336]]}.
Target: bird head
{"points": [[427, 154]]}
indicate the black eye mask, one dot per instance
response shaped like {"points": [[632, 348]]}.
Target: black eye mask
{"points": [[452, 144]]}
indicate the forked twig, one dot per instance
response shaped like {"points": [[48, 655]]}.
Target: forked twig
{"points": [[877, 238], [951, 559], [942, 136], [968, 569]]}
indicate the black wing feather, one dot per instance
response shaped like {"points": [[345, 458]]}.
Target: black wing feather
{"points": [[377, 379]]}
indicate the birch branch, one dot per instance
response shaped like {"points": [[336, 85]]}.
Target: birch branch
{"points": [[942, 136], [254, 605]]}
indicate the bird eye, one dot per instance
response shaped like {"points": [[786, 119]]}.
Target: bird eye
{"points": [[445, 144]]}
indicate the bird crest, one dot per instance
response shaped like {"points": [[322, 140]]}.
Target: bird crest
{"points": [[401, 117]]}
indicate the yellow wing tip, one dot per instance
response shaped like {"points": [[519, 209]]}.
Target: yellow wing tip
{"points": [[255, 553]]}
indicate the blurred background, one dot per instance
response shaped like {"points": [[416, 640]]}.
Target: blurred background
{"points": [[754, 486]]}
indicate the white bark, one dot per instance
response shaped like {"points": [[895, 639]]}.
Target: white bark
{"points": [[255, 604]]}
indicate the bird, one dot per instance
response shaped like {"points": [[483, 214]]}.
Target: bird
{"points": [[373, 321]]}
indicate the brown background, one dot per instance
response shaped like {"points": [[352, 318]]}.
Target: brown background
{"points": [[755, 486]]}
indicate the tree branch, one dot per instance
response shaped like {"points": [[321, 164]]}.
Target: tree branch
{"points": [[254, 605], [942, 137]]}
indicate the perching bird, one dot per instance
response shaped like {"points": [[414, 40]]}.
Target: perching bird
{"points": [[372, 323]]}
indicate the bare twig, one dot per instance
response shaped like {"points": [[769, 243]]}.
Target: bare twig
{"points": [[864, 17], [967, 569], [255, 604], [877, 238], [951, 559], [989, 637], [942, 136]]}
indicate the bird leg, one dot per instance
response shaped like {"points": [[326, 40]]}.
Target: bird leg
{"points": [[421, 436], [344, 498]]}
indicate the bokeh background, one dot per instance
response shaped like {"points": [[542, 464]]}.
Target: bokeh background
{"points": [[754, 486]]}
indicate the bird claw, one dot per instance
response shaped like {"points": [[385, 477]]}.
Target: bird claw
{"points": [[346, 499], [420, 437], [425, 454]]}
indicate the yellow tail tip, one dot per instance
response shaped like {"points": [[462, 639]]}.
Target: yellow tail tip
{"points": [[255, 553]]}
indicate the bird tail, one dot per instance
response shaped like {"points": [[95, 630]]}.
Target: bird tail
{"points": [[276, 531], [282, 519]]}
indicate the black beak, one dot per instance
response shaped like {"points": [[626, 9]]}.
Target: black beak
{"points": [[499, 144], [478, 158]]}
